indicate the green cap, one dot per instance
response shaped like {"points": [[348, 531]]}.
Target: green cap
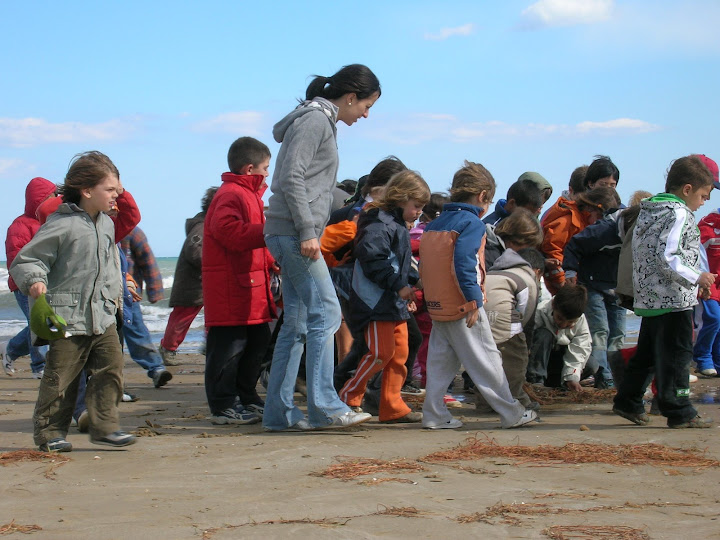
{"points": [[45, 323], [537, 179]]}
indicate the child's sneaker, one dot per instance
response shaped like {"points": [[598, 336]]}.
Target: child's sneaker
{"points": [[169, 357], [709, 372], [256, 408], [451, 401], [161, 377], [412, 389], [697, 422], [347, 419], [127, 397], [58, 444], [7, 363], [641, 419], [83, 422], [38, 374], [231, 416], [527, 417], [453, 423], [116, 438], [410, 418]]}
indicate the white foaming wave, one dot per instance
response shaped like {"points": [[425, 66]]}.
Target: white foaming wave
{"points": [[4, 280], [10, 327], [156, 317], [168, 282]]}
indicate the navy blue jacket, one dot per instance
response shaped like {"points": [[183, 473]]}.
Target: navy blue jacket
{"points": [[498, 215]]}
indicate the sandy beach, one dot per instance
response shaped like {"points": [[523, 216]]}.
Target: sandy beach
{"points": [[186, 478]]}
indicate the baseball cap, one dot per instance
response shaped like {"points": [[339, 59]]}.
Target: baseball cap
{"points": [[710, 164]]}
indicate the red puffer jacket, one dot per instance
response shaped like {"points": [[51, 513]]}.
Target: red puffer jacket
{"points": [[710, 237], [235, 261], [24, 227]]}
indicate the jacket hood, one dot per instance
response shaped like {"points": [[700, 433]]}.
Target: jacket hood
{"points": [[36, 192], [455, 206], [509, 259], [662, 204], [253, 182], [318, 103], [191, 222]]}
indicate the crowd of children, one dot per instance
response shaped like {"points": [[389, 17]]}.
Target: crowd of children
{"points": [[411, 305]]}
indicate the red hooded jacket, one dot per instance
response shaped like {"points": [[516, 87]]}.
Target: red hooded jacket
{"points": [[235, 262], [710, 237], [24, 227]]}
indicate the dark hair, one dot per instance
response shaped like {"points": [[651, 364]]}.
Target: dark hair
{"points": [[526, 193], [207, 198], [434, 206], [382, 173], [688, 170], [602, 199], [534, 257], [471, 179], [577, 180], [601, 167], [570, 301], [348, 185], [246, 151], [86, 171], [355, 78], [521, 227]]}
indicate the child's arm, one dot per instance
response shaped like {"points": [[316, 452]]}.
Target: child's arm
{"points": [[577, 354], [335, 237], [672, 255], [589, 241], [128, 216], [145, 267], [465, 259], [555, 238], [31, 266], [230, 224]]}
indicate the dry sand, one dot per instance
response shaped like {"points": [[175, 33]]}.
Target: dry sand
{"points": [[186, 478]]}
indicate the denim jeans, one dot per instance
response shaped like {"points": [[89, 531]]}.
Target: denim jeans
{"points": [[606, 320], [21, 344], [707, 346], [311, 317], [139, 343]]}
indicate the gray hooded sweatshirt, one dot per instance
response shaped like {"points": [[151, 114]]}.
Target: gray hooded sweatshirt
{"points": [[305, 172]]}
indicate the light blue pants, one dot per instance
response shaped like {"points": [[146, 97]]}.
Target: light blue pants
{"points": [[606, 320], [21, 344]]}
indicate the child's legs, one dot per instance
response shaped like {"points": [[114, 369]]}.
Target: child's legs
{"points": [[343, 340], [542, 345], [22, 344], [58, 387], [419, 369], [105, 383], [248, 372], [139, 343], [483, 363], [394, 373], [442, 366], [181, 317], [673, 355], [640, 369], [705, 342], [597, 319], [514, 354], [380, 339], [414, 339], [225, 347]]}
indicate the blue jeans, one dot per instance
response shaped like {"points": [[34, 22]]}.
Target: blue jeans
{"points": [[139, 343], [21, 344], [606, 320], [707, 346], [311, 317]]}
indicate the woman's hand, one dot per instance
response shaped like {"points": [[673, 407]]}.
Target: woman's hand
{"points": [[310, 248]]}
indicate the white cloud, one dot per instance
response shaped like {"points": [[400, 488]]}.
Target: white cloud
{"points": [[246, 122], [23, 132], [445, 33], [548, 13], [10, 166], [422, 128]]}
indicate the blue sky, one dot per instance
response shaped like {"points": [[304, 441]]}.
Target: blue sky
{"points": [[164, 88]]}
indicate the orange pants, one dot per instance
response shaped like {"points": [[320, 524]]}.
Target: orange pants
{"points": [[387, 343]]}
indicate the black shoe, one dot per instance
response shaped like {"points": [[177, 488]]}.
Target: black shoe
{"points": [[58, 444], [641, 419], [117, 438], [161, 377]]}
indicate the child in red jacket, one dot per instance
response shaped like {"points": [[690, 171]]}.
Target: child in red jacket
{"points": [[236, 286]]}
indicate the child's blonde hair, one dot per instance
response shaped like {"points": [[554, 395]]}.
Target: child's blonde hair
{"points": [[403, 187], [638, 196], [521, 227], [472, 179]]}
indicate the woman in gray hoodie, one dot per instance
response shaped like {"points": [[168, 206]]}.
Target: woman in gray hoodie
{"points": [[302, 186]]}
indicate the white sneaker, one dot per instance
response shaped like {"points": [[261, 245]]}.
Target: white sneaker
{"points": [[38, 374], [710, 372], [453, 423], [301, 425], [8, 365], [528, 416], [348, 419], [693, 378]]}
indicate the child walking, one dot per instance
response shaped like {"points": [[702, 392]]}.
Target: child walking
{"points": [[381, 296], [666, 277], [74, 262], [453, 271]]}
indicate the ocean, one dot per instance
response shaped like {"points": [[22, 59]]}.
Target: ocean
{"points": [[154, 315]]}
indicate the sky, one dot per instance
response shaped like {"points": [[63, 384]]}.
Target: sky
{"points": [[163, 88]]}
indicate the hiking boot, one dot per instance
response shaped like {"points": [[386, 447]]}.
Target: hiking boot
{"points": [[169, 357], [7, 363], [412, 389], [83, 422], [116, 438], [161, 377], [453, 423], [232, 416], [641, 419], [410, 418], [697, 422], [527, 417], [58, 444], [347, 419]]}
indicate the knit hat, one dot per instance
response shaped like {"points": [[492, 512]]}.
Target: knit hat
{"points": [[537, 179], [710, 164], [45, 323]]}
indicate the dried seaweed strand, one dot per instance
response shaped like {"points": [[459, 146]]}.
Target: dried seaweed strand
{"points": [[17, 456], [351, 467], [376, 481], [13, 527], [551, 396], [590, 532]]}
